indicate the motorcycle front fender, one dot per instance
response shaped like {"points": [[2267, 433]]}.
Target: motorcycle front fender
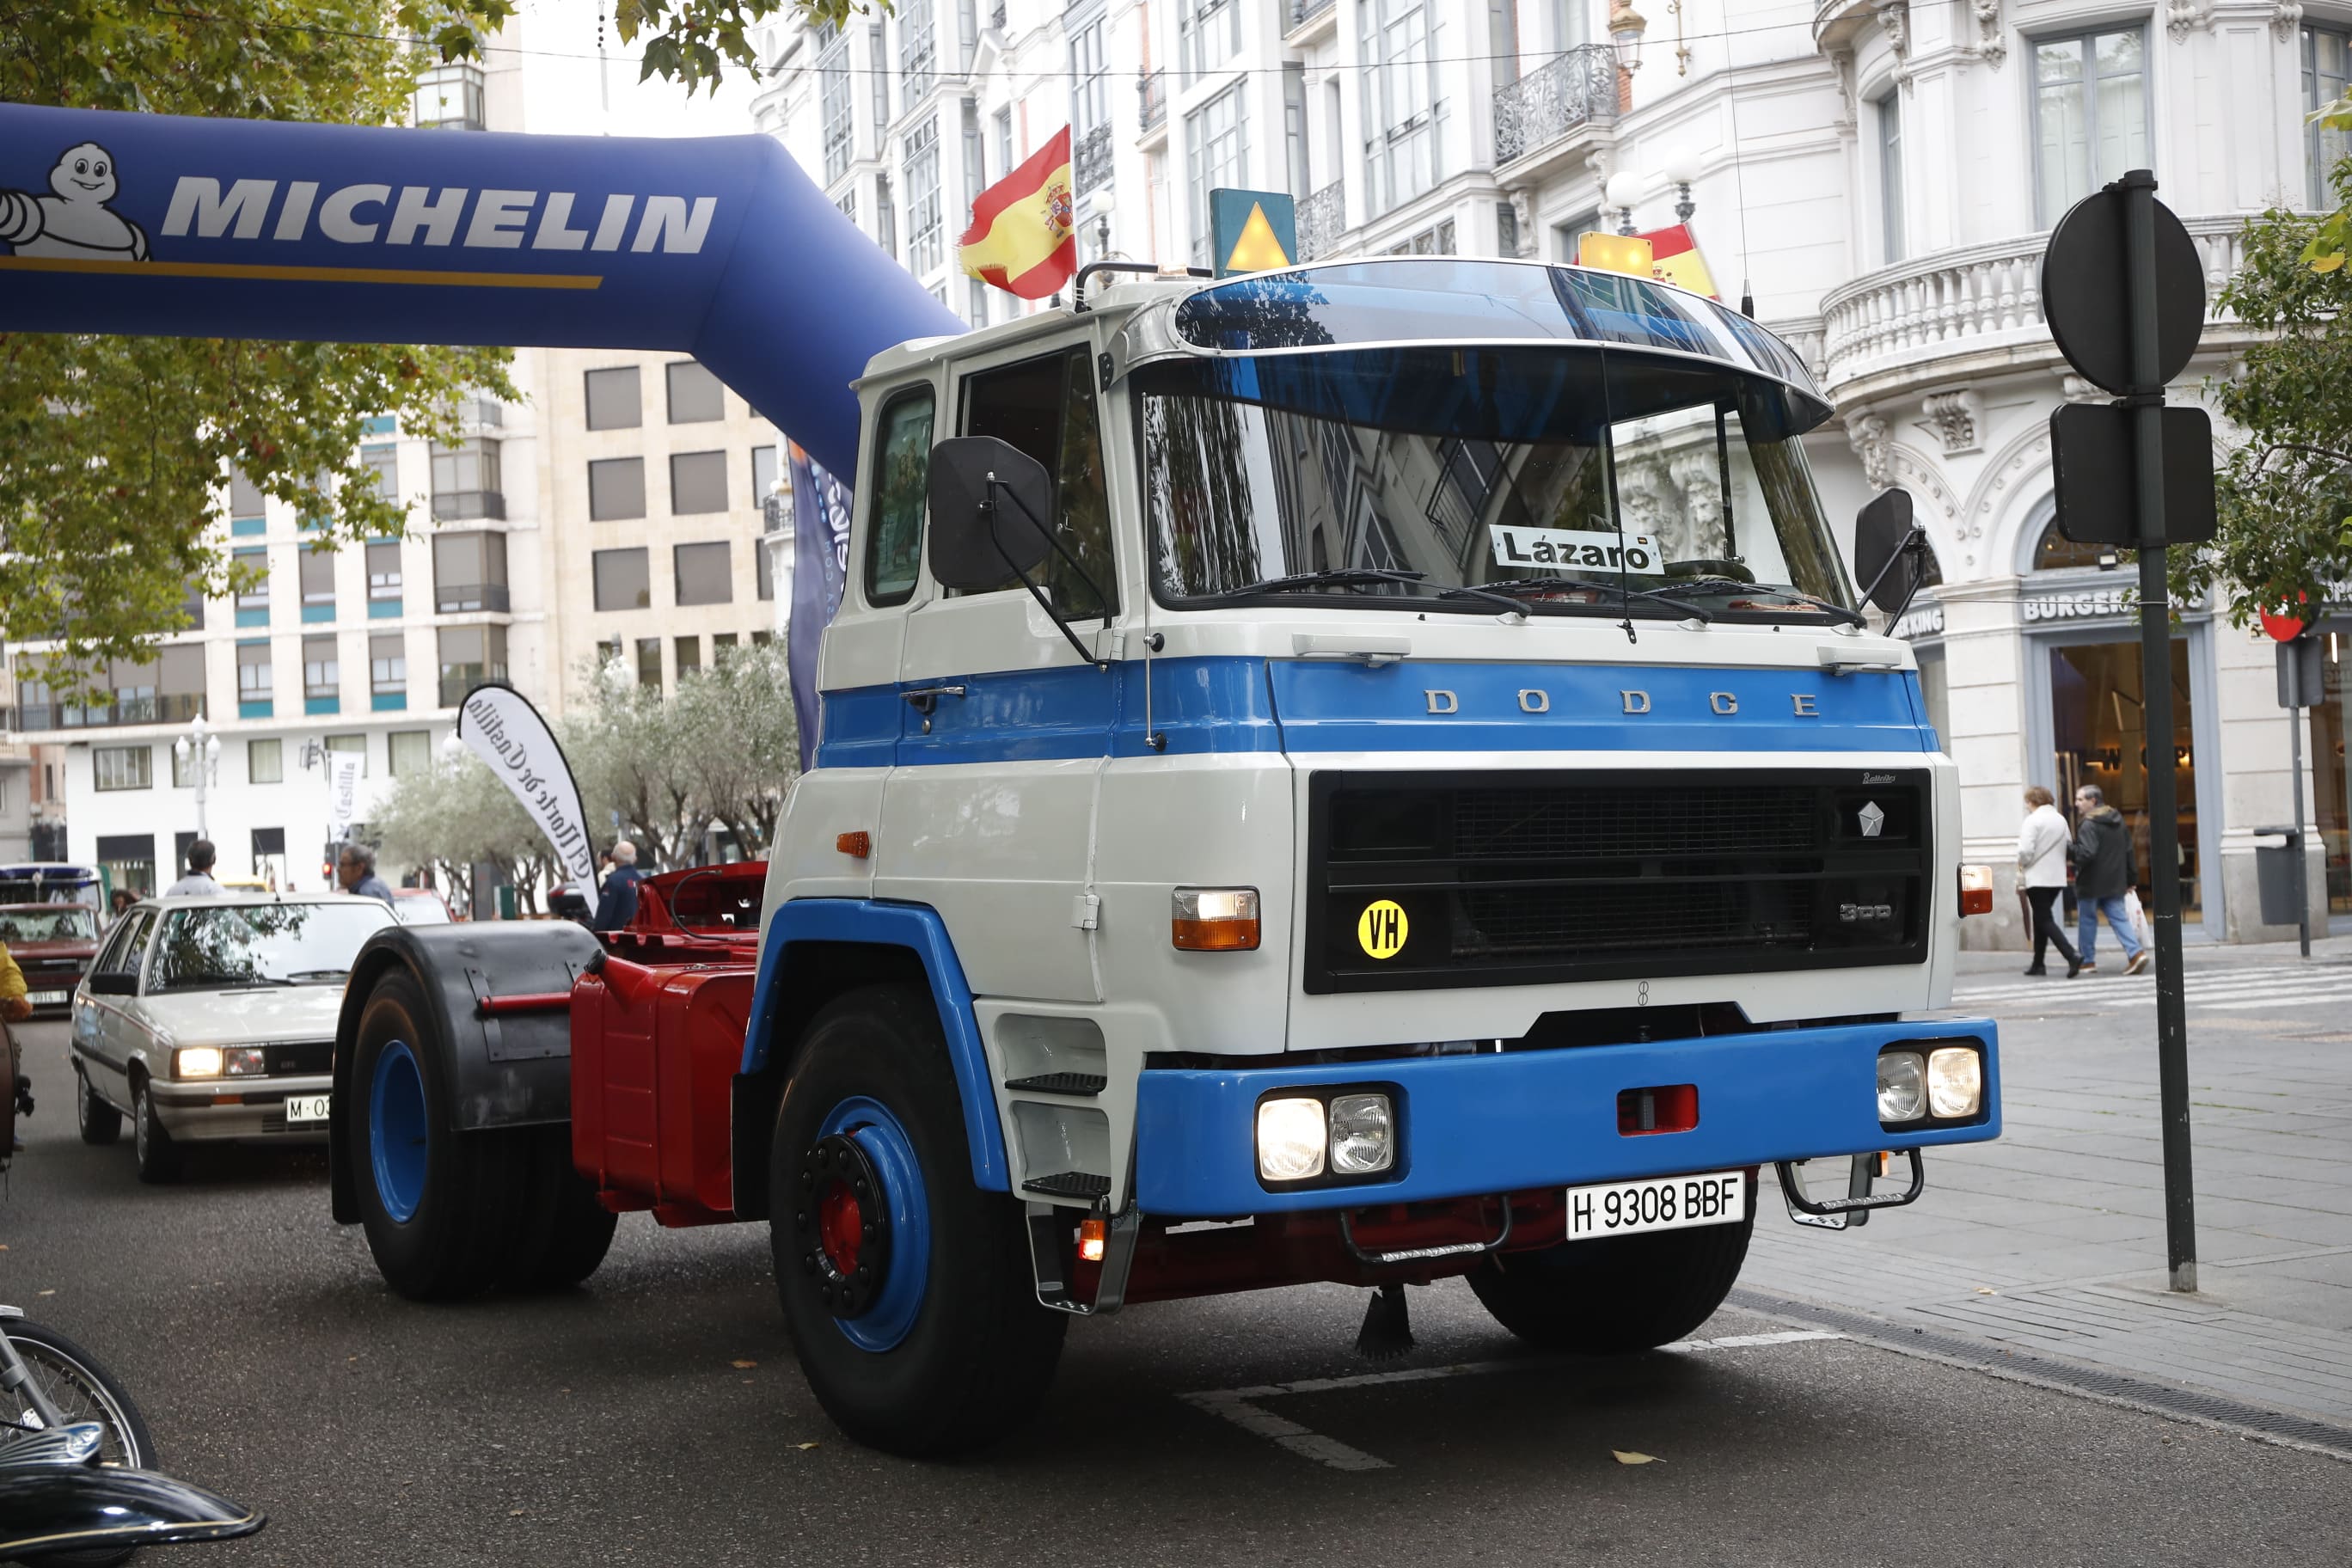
{"points": [[63, 1507]]}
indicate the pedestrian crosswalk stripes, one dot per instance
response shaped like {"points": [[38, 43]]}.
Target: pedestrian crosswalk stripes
{"points": [[2266, 985]]}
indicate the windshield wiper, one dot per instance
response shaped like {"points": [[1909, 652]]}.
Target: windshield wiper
{"points": [[1513, 585], [224, 982], [1332, 577], [1715, 585]]}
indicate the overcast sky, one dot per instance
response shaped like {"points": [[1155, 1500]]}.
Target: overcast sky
{"points": [[566, 92]]}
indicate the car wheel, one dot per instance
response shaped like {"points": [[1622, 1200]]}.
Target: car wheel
{"points": [[99, 1122], [908, 1290], [160, 1159]]}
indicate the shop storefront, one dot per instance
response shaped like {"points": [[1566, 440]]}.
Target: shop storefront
{"points": [[2331, 783]]}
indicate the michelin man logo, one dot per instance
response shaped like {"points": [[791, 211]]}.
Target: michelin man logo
{"points": [[76, 220]]}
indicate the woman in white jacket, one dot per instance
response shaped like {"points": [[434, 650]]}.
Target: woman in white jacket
{"points": [[2041, 871]]}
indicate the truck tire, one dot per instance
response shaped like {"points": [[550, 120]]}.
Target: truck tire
{"points": [[912, 1307], [566, 1232], [443, 1211], [1615, 1295]]}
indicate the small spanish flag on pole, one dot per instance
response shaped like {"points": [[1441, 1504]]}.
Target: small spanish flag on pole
{"points": [[1024, 230]]}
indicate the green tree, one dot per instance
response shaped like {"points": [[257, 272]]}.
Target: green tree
{"points": [[734, 725], [112, 450], [2284, 495], [2332, 238]]}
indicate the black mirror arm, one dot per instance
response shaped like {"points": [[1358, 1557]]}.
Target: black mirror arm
{"points": [[1037, 593], [1913, 543]]}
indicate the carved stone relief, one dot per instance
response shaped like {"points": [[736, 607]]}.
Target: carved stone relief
{"points": [[2182, 17], [1868, 435], [2286, 16], [1956, 418], [1992, 44]]}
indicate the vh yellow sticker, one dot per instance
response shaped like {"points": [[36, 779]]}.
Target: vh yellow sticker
{"points": [[1381, 929]]}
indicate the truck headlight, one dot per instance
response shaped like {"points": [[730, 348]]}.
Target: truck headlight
{"points": [[1955, 1081], [1363, 1134], [1902, 1086], [196, 1061], [1291, 1135]]}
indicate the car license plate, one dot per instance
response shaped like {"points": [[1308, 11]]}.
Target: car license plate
{"points": [[305, 1110], [1661, 1203], [48, 999]]}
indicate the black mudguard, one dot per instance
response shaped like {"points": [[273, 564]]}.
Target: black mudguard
{"points": [[512, 1070]]}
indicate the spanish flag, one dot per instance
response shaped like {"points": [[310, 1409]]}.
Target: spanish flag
{"points": [[1022, 237], [1674, 250]]}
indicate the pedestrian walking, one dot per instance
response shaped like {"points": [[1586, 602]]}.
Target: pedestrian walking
{"points": [[2041, 845], [617, 906], [198, 883], [2103, 873], [355, 869]]}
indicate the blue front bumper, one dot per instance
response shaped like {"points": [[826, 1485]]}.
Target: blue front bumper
{"points": [[1473, 1125]]}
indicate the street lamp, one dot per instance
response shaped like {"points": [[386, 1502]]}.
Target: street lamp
{"points": [[1623, 189], [1626, 27], [1681, 170], [198, 751]]}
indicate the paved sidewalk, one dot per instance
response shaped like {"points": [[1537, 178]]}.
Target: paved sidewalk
{"points": [[2052, 1239]]}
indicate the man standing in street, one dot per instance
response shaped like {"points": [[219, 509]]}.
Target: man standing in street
{"points": [[355, 869], [618, 905], [198, 883], [2102, 874]]}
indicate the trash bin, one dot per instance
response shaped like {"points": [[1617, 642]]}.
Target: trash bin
{"points": [[507, 902], [2274, 876]]}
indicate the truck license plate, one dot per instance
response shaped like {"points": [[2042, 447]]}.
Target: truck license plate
{"points": [[1661, 1203], [306, 1110]]}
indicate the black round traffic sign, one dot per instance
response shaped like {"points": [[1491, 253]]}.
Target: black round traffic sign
{"points": [[2086, 291]]}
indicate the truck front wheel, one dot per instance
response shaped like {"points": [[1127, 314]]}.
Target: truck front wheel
{"points": [[907, 1289], [1613, 1295]]}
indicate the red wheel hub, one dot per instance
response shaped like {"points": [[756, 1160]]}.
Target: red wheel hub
{"points": [[840, 1226]]}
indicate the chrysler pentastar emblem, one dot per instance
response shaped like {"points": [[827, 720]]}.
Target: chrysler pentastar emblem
{"points": [[1871, 818]]}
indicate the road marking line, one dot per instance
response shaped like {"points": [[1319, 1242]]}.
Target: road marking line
{"points": [[1239, 1405]]}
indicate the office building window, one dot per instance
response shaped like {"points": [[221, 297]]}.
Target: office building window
{"points": [[704, 574], [917, 48], [837, 97], [469, 572], [193, 608], [322, 673], [465, 481], [688, 653], [616, 401], [762, 639], [123, 767], [763, 569], [2327, 70], [1089, 69], [384, 572], [318, 575], [623, 579], [885, 217], [763, 474], [695, 395], [1890, 174], [1003, 137], [722, 647], [471, 656], [388, 664], [1217, 138], [354, 745], [253, 599], [265, 762], [245, 497], [408, 751], [450, 97], [616, 488], [384, 462], [698, 482], [1401, 106], [926, 225], [1208, 34], [2090, 115], [252, 671], [649, 670]]}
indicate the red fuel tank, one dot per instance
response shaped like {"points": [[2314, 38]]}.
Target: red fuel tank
{"points": [[654, 1051]]}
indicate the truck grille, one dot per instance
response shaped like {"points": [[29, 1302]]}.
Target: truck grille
{"points": [[1529, 878]]}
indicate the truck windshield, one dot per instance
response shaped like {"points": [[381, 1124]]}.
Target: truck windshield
{"points": [[1563, 475]]}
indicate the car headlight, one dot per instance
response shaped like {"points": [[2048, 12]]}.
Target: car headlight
{"points": [[196, 1061], [1955, 1081], [1363, 1134], [1902, 1086], [1291, 1134], [242, 1061]]}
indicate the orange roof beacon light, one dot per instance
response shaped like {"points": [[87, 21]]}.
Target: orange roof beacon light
{"points": [[1626, 253]]}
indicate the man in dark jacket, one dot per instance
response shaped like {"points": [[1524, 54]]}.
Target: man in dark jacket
{"points": [[2102, 874], [618, 904]]}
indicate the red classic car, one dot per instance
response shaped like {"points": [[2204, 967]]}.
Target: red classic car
{"points": [[53, 944]]}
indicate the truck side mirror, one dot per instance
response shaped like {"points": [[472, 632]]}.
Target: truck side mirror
{"points": [[1886, 551], [989, 502]]}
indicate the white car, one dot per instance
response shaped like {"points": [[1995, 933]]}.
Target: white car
{"points": [[207, 1019]]}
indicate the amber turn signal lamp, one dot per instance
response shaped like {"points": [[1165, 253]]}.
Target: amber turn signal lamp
{"points": [[1976, 890], [857, 845], [1092, 1234], [1213, 919]]}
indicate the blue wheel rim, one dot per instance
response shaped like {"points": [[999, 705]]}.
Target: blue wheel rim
{"points": [[907, 1209], [396, 1131]]}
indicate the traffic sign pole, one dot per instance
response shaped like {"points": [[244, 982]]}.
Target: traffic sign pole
{"points": [[2138, 189]]}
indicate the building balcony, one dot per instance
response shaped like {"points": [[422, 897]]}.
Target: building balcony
{"points": [[169, 708], [456, 506], [1152, 87], [1090, 159], [1303, 20], [1547, 114], [1905, 323], [1322, 220], [460, 598]]}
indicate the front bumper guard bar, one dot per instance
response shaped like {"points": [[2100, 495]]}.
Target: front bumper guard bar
{"points": [[1854, 1209]]}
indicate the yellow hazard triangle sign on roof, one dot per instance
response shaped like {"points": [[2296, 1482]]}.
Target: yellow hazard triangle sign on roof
{"points": [[1252, 231]]}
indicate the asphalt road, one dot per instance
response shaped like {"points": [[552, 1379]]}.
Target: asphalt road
{"points": [[620, 1423]]}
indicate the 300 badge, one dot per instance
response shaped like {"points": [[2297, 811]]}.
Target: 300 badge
{"points": [[1381, 929]]}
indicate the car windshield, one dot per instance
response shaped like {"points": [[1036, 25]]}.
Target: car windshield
{"points": [[1641, 452], [420, 912], [227, 946], [56, 922]]}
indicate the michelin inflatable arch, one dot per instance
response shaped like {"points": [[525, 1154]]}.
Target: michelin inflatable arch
{"points": [[720, 248]]}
